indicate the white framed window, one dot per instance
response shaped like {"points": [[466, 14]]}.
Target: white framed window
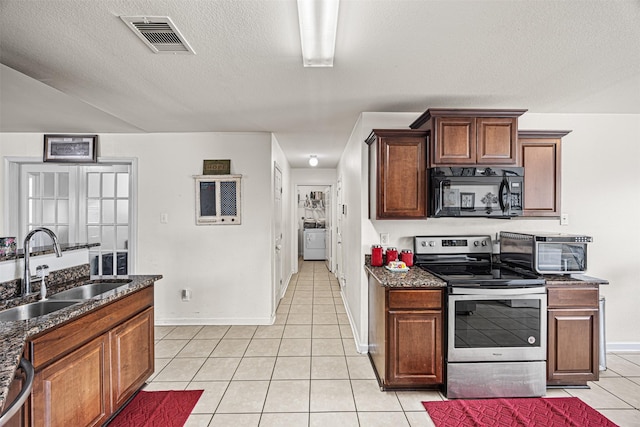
{"points": [[218, 199]]}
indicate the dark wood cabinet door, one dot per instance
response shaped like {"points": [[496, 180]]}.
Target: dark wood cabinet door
{"points": [[454, 141], [572, 357], [541, 160], [400, 170], [74, 390], [415, 353], [132, 356], [496, 140]]}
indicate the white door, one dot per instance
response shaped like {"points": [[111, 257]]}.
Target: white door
{"points": [[277, 215], [328, 206]]}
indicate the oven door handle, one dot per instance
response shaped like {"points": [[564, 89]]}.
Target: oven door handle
{"points": [[493, 292]]}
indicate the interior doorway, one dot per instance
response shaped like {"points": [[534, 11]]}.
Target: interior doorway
{"points": [[314, 225]]}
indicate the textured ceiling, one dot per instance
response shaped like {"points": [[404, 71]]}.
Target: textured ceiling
{"points": [[74, 66]]}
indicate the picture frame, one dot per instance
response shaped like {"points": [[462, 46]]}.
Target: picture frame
{"points": [[467, 201], [451, 198], [216, 167], [70, 148]]}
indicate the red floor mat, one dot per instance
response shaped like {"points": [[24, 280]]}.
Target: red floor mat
{"points": [[534, 412], [157, 409]]}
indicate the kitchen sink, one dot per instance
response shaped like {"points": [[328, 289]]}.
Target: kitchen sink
{"points": [[35, 309], [90, 290]]}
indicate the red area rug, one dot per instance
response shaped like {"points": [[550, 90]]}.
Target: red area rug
{"points": [[157, 409], [531, 412]]}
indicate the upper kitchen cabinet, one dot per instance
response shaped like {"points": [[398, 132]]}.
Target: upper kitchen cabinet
{"points": [[470, 137], [539, 154], [397, 174]]}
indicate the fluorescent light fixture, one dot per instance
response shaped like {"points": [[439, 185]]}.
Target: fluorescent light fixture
{"points": [[313, 160], [318, 24]]}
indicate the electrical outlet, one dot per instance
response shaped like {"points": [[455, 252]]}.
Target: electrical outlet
{"points": [[564, 219], [164, 218], [384, 238]]}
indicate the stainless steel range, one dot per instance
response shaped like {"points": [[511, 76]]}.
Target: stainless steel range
{"points": [[496, 321]]}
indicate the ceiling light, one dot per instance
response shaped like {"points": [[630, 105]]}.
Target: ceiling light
{"points": [[313, 160], [318, 23]]}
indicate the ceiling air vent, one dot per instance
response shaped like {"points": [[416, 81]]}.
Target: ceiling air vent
{"points": [[159, 33]]}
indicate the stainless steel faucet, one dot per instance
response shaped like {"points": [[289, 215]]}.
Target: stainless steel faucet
{"points": [[26, 279]]}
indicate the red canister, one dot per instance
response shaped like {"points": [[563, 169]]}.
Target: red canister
{"points": [[406, 256], [376, 256], [392, 255]]}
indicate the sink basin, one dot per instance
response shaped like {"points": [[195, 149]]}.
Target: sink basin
{"points": [[35, 309], [89, 290]]}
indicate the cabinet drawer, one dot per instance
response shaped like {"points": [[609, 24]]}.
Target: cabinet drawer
{"points": [[567, 297], [415, 299]]}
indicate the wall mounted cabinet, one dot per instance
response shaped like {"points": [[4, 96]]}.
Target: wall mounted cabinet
{"points": [[397, 174], [469, 137], [540, 155], [218, 199]]}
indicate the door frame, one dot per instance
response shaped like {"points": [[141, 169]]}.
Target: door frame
{"points": [[11, 210]]}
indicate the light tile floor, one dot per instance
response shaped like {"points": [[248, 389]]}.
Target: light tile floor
{"points": [[304, 370]]}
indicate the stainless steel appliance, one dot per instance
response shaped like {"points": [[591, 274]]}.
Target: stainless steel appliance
{"points": [[496, 319], [545, 253], [476, 191]]}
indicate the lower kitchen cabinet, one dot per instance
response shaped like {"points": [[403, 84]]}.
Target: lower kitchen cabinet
{"points": [[405, 336], [74, 391], [573, 335], [87, 368]]}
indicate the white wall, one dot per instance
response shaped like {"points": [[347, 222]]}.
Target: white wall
{"points": [[210, 260], [600, 192]]}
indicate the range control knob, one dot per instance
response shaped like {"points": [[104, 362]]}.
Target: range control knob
{"points": [[432, 243], [476, 243], [423, 244], [484, 243]]}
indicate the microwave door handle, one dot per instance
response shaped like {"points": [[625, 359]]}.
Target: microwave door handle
{"points": [[504, 185]]}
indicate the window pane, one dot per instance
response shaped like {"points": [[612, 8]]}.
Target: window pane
{"points": [[123, 211], [63, 211], [49, 184], [63, 185], [34, 184], [93, 211], [108, 238], [48, 211], [93, 234], [123, 185], [94, 259], [123, 238], [63, 234], [93, 185], [108, 215], [35, 212], [108, 185]]}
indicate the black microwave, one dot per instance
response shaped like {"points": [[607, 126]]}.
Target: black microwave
{"points": [[545, 253], [476, 192]]}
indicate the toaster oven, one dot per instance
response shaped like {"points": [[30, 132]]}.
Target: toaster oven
{"points": [[545, 253]]}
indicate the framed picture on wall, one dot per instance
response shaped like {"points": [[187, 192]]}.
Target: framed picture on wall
{"points": [[71, 148]]}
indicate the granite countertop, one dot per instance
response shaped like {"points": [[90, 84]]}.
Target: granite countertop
{"points": [[43, 250], [573, 279], [414, 278], [14, 335]]}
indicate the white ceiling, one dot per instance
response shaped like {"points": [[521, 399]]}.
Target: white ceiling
{"points": [[72, 66]]}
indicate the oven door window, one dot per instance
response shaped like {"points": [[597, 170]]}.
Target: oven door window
{"points": [[499, 323], [555, 257]]}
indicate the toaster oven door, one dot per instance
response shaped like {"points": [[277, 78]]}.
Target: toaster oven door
{"points": [[560, 258]]}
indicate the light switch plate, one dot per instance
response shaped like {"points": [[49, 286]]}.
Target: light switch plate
{"points": [[164, 218], [564, 219]]}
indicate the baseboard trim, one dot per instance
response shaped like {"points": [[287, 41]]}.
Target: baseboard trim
{"points": [[360, 348], [214, 321], [622, 347]]}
